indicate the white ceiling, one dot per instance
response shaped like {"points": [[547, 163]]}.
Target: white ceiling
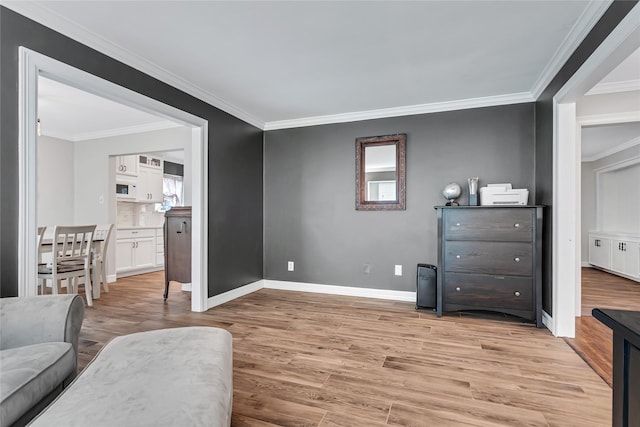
{"points": [[285, 64], [602, 140], [72, 114]]}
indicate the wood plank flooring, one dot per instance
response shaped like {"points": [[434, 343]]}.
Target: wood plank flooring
{"points": [[303, 359], [594, 341]]}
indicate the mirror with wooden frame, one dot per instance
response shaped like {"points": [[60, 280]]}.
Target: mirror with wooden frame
{"points": [[380, 172]]}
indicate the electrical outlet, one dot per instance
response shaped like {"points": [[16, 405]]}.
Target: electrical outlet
{"points": [[290, 266], [366, 269], [398, 270]]}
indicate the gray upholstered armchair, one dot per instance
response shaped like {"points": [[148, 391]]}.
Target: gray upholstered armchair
{"points": [[38, 352]]}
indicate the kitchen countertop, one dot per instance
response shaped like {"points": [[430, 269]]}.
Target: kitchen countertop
{"points": [[138, 227]]}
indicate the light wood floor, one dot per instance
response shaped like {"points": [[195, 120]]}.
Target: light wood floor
{"points": [[303, 359], [594, 341]]}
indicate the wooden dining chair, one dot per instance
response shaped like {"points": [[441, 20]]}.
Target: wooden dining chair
{"points": [[71, 255], [41, 231], [99, 256]]}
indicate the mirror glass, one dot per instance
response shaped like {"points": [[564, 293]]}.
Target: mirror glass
{"points": [[380, 172]]}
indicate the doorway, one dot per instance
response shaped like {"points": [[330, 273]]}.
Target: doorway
{"points": [[567, 173], [32, 65]]}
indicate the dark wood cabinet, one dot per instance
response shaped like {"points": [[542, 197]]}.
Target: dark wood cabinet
{"points": [[489, 258], [177, 246]]}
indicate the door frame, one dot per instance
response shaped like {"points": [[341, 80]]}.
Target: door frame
{"points": [[566, 263], [31, 65]]}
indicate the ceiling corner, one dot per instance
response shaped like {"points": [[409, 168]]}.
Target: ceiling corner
{"points": [[591, 14]]}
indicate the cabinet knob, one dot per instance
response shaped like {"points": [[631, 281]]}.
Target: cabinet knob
{"points": [[516, 225], [457, 224], [516, 259], [516, 293], [458, 289], [458, 256]]}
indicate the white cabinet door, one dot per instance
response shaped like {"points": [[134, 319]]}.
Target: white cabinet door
{"points": [[125, 255], [145, 253], [133, 254], [149, 185], [632, 261], [600, 251], [625, 257], [155, 185], [127, 165], [617, 256]]}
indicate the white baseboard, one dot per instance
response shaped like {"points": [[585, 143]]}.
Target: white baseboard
{"points": [[547, 320], [111, 278], [186, 287], [586, 264], [234, 293], [310, 287], [341, 290]]}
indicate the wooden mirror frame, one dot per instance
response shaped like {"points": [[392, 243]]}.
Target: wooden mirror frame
{"points": [[400, 141]]}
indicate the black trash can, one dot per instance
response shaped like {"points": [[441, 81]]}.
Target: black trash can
{"points": [[426, 286]]}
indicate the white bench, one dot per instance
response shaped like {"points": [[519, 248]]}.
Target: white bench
{"points": [[168, 377]]}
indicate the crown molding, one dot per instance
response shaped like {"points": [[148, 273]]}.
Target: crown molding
{"points": [[40, 13], [609, 118], [592, 13], [614, 87], [56, 22], [612, 150], [436, 107]]}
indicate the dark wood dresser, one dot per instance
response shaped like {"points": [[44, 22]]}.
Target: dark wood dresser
{"points": [[177, 246], [626, 364], [489, 258]]}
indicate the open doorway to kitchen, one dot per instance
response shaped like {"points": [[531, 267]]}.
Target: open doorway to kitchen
{"points": [[95, 191]]}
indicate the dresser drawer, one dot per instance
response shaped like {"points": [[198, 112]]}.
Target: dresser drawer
{"points": [[489, 224], [488, 292], [502, 258]]}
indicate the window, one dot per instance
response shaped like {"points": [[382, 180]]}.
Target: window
{"points": [[172, 191]]}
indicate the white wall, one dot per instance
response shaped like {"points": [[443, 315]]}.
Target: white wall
{"points": [[95, 171], [619, 200], [610, 103], [628, 205], [55, 182], [588, 207]]}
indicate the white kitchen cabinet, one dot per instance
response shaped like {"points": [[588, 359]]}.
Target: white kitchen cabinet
{"points": [[625, 257], [135, 250], [600, 251], [149, 184], [616, 252], [127, 165], [159, 247]]}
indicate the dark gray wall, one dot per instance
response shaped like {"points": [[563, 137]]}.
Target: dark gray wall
{"points": [[235, 156], [544, 132], [310, 215]]}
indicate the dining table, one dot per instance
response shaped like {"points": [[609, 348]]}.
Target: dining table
{"points": [[46, 246]]}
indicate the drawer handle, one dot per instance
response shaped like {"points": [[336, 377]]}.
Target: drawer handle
{"points": [[458, 289], [458, 256], [516, 225], [516, 259], [457, 224], [516, 293]]}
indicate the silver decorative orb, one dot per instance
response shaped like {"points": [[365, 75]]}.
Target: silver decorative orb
{"points": [[451, 191]]}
